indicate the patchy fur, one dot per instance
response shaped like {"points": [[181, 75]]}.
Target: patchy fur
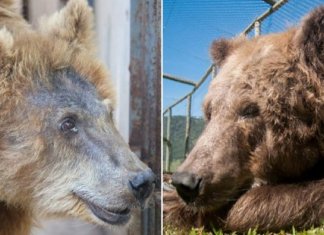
{"points": [[60, 153], [264, 127]]}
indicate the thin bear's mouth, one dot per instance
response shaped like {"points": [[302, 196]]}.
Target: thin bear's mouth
{"points": [[113, 216]]}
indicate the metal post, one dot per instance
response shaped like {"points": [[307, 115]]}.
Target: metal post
{"points": [[188, 124], [270, 2], [177, 79], [168, 154], [262, 17], [214, 71], [257, 28], [145, 90]]}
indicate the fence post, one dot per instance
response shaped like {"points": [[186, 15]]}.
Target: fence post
{"points": [[188, 124], [257, 28], [168, 154], [214, 71]]}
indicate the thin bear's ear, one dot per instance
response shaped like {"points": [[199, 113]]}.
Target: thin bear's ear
{"points": [[73, 24], [222, 48], [310, 41]]}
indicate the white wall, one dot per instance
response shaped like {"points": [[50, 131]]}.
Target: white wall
{"points": [[113, 32]]}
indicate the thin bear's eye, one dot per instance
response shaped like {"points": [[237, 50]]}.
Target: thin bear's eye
{"points": [[250, 111], [68, 124]]}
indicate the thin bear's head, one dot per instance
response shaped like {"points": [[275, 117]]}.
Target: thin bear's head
{"points": [[60, 153]]}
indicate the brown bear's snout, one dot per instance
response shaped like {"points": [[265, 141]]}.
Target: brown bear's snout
{"points": [[142, 184], [187, 185]]}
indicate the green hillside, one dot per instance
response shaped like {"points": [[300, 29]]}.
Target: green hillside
{"points": [[178, 127]]}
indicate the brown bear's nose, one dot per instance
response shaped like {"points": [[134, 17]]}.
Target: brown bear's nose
{"points": [[187, 185], [142, 184]]}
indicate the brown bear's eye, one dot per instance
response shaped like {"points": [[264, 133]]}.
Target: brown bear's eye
{"points": [[250, 111], [208, 115], [207, 111], [68, 124]]}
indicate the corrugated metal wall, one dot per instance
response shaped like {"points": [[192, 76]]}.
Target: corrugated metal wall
{"points": [[145, 109]]}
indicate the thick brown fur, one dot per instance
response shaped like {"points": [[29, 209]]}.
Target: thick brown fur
{"points": [[272, 208], [264, 127], [43, 171]]}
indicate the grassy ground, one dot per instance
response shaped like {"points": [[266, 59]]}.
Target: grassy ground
{"points": [[313, 231]]}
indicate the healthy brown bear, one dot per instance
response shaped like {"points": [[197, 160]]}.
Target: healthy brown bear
{"points": [[259, 163], [60, 154]]}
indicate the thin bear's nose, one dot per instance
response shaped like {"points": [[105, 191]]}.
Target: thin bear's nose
{"points": [[142, 184]]}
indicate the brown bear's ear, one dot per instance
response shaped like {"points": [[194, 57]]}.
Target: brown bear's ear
{"points": [[74, 24], [310, 40], [222, 48]]}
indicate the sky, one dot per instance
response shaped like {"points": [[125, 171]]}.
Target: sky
{"points": [[189, 27]]}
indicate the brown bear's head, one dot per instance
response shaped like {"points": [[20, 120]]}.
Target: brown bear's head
{"points": [[263, 115], [60, 152]]}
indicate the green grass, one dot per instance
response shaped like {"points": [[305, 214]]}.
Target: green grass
{"points": [[200, 231]]}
